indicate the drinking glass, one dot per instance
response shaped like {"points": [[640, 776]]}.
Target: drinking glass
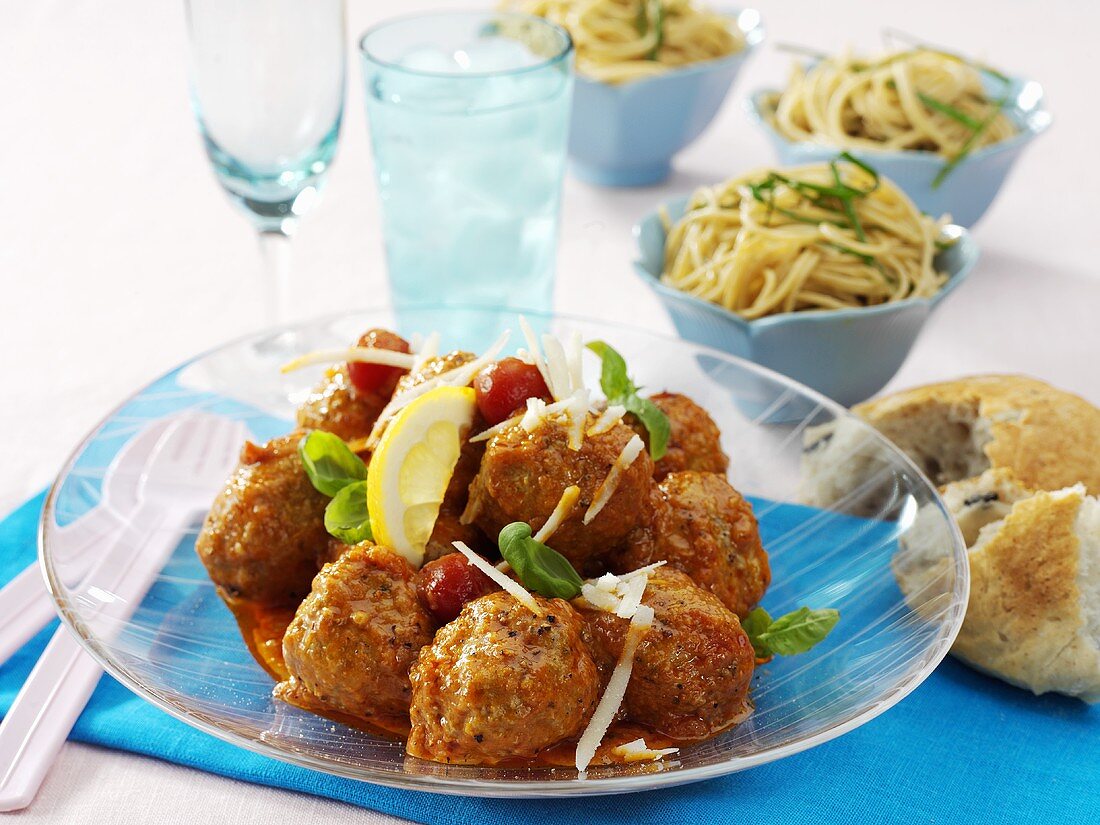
{"points": [[469, 115], [267, 88]]}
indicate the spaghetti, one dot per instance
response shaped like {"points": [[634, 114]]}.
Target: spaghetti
{"points": [[921, 99], [622, 40], [826, 236]]}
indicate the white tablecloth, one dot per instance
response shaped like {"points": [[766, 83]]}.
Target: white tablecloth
{"points": [[119, 257]]}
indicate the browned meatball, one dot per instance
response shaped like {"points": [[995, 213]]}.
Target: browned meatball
{"points": [[501, 683], [692, 670], [523, 475], [433, 367], [337, 407], [265, 533], [699, 524], [694, 442], [356, 635]]}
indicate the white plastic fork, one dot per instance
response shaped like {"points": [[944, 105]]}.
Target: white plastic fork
{"points": [[25, 606], [189, 463]]}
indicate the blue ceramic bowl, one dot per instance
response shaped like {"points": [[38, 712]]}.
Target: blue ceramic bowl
{"points": [[966, 193], [846, 354], [626, 134]]}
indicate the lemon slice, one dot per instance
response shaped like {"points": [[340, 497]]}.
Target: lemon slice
{"points": [[412, 466]]}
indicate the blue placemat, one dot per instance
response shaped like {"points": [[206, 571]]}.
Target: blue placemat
{"points": [[961, 748]]}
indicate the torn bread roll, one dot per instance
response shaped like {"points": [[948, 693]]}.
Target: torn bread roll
{"points": [[959, 429], [994, 443], [1034, 613]]}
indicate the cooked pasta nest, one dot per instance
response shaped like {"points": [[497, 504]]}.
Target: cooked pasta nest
{"points": [[919, 99], [827, 236], [621, 40]]}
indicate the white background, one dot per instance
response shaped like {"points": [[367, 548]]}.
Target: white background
{"points": [[120, 256]]}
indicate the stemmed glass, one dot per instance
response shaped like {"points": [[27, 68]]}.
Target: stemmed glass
{"points": [[267, 88]]}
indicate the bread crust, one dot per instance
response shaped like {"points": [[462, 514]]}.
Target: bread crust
{"points": [[1046, 436], [1025, 622]]}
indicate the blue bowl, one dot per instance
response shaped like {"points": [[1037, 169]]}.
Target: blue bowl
{"points": [[846, 354], [966, 193], [626, 134]]}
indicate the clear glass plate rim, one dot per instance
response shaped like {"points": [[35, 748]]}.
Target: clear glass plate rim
{"points": [[931, 658]]}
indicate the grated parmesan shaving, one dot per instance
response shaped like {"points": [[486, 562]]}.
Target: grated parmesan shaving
{"points": [[535, 415], [537, 412], [488, 433], [578, 412], [558, 368], [639, 751], [631, 450], [534, 353], [620, 595], [600, 599], [631, 591], [366, 355], [609, 582], [429, 348], [644, 571], [607, 419], [510, 585], [457, 377], [574, 358], [561, 512], [613, 694]]}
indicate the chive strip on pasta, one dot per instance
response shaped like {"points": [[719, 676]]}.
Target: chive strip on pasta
{"points": [[920, 99], [622, 40], [826, 236]]}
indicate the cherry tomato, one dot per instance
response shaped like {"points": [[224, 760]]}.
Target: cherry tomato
{"points": [[504, 386], [447, 583], [377, 377]]}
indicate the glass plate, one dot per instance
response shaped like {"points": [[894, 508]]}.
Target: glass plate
{"points": [[176, 645]]}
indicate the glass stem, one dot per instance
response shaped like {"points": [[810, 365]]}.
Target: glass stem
{"points": [[276, 251]]}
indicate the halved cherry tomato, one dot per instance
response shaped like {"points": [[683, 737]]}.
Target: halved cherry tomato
{"points": [[504, 386], [447, 583], [377, 377]]}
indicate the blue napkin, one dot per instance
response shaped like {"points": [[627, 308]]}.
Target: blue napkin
{"points": [[961, 748]]}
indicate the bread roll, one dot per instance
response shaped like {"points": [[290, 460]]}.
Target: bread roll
{"points": [[958, 429], [1034, 613], [1017, 459]]}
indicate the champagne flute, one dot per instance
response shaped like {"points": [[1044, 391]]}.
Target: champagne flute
{"points": [[267, 89]]}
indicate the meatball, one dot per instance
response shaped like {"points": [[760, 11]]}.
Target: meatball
{"points": [[699, 524], [523, 475], [692, 670], [265, 533], [339, 407], [694, 442], [433, 367], [501, 683], [354, 638]]}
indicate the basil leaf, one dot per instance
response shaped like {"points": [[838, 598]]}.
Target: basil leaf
{"points": [[619, 389], [539, 568], [655, 422], [614, 380], [347, 517], [755, 625], [799, 631], [329, 462]]}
